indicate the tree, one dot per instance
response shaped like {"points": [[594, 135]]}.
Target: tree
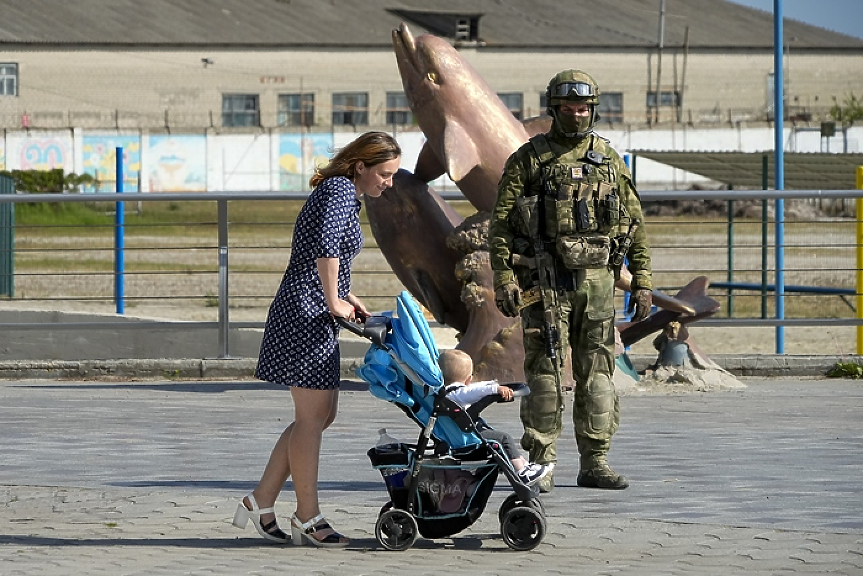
{"points": [[848, 112], [48, 181]]}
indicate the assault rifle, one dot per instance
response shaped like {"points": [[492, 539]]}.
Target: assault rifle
{"points": [[547, 290]]}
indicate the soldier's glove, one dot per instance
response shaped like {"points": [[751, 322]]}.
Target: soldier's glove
{"points": [[641, 300], [507, 298]]}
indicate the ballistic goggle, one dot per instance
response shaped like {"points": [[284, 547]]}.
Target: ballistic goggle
{"points": [[573, 89]]}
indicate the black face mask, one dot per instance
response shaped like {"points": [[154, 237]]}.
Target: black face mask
{"points": [[572, 125]]}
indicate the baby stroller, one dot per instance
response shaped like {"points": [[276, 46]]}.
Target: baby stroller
{"points": [[440, 485]]}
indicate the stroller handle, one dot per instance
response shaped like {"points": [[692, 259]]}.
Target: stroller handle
{"points": [[356, 327], [518, 389], [374, 328]]}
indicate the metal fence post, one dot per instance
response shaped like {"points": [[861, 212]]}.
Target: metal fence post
{"points": [[7, 239], [224, 322], [119, 240], [859, 260]]}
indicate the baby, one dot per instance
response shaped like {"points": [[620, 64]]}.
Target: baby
{"points": [[457, 369]]}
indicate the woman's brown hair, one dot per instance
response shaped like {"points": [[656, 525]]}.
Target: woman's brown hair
{"points": [[370, 148]]}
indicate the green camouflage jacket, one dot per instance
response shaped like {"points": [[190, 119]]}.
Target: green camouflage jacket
{"points": [[522, 176]]}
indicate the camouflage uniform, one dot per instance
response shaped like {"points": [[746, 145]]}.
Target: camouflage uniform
{"points": [[538, 197]]}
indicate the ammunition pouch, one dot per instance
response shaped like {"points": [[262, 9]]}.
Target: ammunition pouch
{"points": [[619, 247], [584, 252]]}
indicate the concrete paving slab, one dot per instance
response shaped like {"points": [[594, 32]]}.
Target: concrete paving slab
{"points": [[124, 477]]}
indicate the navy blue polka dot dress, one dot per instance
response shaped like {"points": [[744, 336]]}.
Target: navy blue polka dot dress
{"points": [[300, 346]]}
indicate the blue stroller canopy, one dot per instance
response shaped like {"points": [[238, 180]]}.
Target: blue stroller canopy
{"points": [[405, 371]]}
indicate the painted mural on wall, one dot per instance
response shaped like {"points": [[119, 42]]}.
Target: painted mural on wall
{"points": [[219, 162], [177, 163], [298, 156], [99, 160], [44, 152]]}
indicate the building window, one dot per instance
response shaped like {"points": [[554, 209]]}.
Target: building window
{"points": [[462, 27], [667, 98], [350, 108], [8, 79], [514, 102], [611, 107], [462, 30], [398, 110], [296, 110], [241, 110]]}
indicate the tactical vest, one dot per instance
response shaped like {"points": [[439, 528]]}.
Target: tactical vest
{"points": [[574, 204]]}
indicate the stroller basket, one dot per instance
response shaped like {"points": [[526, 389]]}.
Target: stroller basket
{"points": [[445, 487], [394, 463]]}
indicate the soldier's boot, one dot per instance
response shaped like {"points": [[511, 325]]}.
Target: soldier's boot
{"points": [[595, 471], [546, 483]]}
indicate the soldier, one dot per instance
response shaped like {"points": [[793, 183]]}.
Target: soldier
{"points": [[567, 213]]}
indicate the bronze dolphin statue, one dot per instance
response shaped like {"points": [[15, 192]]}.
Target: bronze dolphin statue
{"points": [[411, 224], [469, 130]]}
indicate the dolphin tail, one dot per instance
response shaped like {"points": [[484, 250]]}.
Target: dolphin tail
{"points": [[660, 299], [693, 295]]}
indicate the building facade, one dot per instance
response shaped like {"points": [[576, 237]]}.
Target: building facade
{"points": [[319, 66]]}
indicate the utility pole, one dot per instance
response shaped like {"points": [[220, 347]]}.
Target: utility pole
{"points": [[659, 60]]}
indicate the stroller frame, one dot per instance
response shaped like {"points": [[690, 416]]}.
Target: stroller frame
{"points": [[411, 471]]}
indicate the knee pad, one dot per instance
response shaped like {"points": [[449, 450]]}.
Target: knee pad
{"points": [[596, 410]]}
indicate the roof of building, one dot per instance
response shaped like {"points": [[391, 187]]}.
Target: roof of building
{"points": [[632, 24], [747, 170]]}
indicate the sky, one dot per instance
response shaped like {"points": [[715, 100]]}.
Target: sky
{"points": [[845, 16]]}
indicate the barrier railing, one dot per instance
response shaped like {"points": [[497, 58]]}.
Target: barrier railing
{"points": [[230, 264]]}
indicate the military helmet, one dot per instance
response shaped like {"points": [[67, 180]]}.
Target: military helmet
{"points": [[573, 86]]}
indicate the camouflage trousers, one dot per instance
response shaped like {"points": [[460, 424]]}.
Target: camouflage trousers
{"points": [[585, 321]]}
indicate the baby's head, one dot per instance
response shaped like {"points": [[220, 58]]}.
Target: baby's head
{"points": [[456, 366]]}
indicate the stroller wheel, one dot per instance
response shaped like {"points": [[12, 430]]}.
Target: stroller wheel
{"points": [[513, 500], [386, 507], [523, 528], [396, 529]]}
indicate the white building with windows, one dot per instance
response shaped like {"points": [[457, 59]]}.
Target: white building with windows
{"points": [[326, 64], [283, 79]]}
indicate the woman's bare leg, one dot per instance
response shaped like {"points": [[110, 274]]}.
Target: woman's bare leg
{"points": [[313, 409]]}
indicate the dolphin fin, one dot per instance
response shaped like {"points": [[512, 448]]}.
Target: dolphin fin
{"points": [[460, 151], [429, 166]]}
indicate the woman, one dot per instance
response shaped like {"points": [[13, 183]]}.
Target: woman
{"points": [[300, 347]]}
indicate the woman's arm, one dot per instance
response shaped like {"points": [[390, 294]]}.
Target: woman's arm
{"points": [[359, 307], [328, 270]]}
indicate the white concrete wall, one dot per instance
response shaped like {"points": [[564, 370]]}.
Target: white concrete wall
{"points": [[138, 89]]}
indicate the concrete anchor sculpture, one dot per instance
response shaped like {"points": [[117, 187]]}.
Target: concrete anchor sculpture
{"points": [[441, 258]]}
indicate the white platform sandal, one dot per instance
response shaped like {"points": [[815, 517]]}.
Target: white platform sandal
{"points": [[302, 532], [270, 531]]}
